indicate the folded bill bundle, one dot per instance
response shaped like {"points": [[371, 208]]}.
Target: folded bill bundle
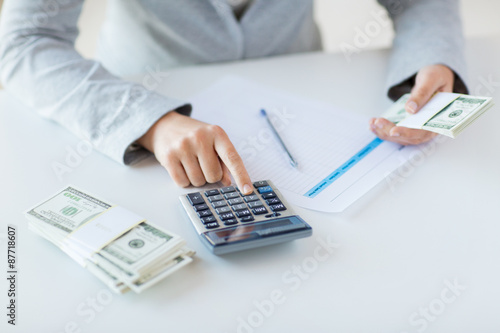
{"points": [[122, 249], [446, 113]]}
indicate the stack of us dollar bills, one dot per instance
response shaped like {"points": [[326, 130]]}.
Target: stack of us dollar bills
{"points": [[446, 113], [136, 260]]}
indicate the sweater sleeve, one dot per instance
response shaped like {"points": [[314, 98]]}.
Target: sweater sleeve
{"points": [[40, 66], [428, 32]]}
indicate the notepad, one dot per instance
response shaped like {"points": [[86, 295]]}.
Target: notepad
{"points": [[339, 158]]}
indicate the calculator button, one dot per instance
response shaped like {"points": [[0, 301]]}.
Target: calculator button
{"points": [[239, 207], [255, 204], [227, 189], [247, 218], [211, 225], [231, 221], [273, 201], [223, 210], [231, 195], [275, 214], [195, 198], [235, 201], [226, 216], [243, 212], [211, 192], [204, 213], [277, 207], [265, 189], [197, 208], [259, 210], [260, 184], [218, 204], [208, 219], [252, 197], [214, 198], [268, 195]]}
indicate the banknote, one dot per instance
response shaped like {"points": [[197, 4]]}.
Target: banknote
{"points": [[450, 120], [134, 260]]}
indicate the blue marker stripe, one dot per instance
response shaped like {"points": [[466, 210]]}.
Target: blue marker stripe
{"points": [[343, 168]]}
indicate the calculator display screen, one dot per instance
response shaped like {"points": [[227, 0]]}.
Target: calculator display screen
{"points": [[256, 230]]}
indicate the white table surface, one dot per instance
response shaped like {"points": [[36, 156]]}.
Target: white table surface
{"points": [[396, 246]]}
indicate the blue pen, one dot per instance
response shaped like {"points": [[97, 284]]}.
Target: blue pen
{"points": [[292, 160]]}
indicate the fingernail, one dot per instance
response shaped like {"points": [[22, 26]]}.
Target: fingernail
{"points": [[247, 188], [412, 106], [395, 134], [372, 127], [379, 124]]}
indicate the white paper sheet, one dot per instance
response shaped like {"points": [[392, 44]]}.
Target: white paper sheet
{"points": [[321, 138]]}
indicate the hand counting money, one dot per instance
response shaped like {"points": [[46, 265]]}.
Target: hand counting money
{"points": [[446, 113], [119, 247]]}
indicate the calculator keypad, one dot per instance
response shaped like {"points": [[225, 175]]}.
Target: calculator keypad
{"points": [[227, 206]]}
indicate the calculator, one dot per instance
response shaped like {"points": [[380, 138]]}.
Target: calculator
{"points": [[228, 221]]}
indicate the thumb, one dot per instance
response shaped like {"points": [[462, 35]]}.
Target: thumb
{"points": [[424, 89]]}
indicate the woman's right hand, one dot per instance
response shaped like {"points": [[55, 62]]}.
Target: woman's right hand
{"points": [[195, 153]]}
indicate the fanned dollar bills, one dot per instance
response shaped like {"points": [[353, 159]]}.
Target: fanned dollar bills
{"points": [[135, 260], [447, 114]]}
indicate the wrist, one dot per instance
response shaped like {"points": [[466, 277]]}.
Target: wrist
{"points": [[147, 140]]}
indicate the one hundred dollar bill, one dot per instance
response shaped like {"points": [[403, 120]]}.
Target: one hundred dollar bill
{"points": [[450, 118], [128, 259]]}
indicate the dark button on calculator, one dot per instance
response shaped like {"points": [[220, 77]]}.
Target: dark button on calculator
{"points": [[235, 201], [211, 192], [211, 225], [277, 207], [217, 197], [222, 210], [195, 198], [247, 218], [197, 208], [265, 189], [255, 204], [231, 195], [227, 189], [243, 212], [259, 210], [260, 184], [268, 195], [226, 216], [252, 197], [273, 201], [239, 207], [208, 219], [218, 204], [230, 221], [204, 213]]}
